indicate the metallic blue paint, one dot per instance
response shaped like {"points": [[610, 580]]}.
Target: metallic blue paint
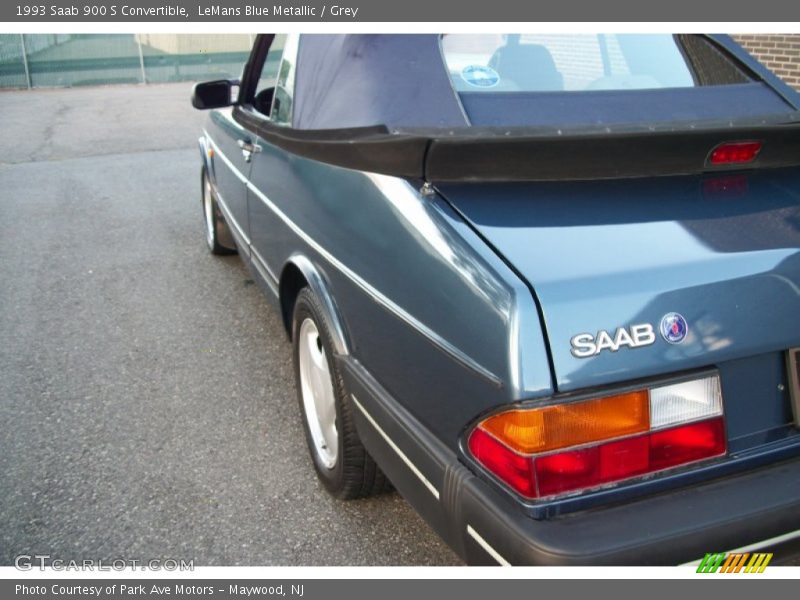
{"points": [[224, 134], [436, 294], [457, 301], [321, 289], [607, 254], [428, 308]]}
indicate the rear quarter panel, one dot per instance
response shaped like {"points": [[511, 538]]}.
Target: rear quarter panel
{"points": [[429, 311]]}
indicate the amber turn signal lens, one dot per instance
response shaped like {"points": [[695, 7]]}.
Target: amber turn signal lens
{"points": [[564, 425]]}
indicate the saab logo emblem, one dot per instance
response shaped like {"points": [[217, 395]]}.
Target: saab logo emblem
{"points": [[734, 562], [480, 76], [585, 345], [674, 328]]}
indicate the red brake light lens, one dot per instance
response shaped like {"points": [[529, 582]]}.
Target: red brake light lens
{"points": [[509, 466], [685, 444], [623, 459], [734, 153]]}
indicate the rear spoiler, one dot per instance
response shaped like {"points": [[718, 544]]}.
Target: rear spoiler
{"points": [[472, 154]]}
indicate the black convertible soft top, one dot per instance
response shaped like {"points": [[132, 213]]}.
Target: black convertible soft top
{"points": [[346, 81], [401, 81], [386, 104]]}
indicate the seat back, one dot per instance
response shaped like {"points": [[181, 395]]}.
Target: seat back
{"points": [[530, 66]]}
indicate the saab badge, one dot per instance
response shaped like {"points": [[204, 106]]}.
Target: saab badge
{"points": [[585, 345], [674, 328]]}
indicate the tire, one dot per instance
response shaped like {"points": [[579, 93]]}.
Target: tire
{"points": [[342, 463], [212, 218]]}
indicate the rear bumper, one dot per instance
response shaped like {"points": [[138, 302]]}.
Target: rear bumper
{"points": [[751, 510]]}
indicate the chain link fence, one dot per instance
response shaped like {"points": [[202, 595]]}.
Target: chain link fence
{"points": [[60, 60]]}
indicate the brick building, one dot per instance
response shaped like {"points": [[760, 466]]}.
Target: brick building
{"points": [[780, 52]]}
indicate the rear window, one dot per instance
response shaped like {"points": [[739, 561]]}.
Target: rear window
{"points": [[492, 63]]}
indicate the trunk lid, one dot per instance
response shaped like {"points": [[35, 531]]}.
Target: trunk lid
{"points": [[722, 250]]}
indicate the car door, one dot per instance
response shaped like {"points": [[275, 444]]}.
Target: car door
{"points": [[234, 148], [231, 166], [268, 178]]}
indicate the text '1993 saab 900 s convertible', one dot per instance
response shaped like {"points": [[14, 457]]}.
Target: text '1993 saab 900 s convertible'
{"points": [[546, 285]]}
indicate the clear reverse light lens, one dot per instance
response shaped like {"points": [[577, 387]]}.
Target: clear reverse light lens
{"points": [[684, 402]]}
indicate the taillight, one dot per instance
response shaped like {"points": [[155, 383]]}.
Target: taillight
{"points": [[734, 153], [565, 448]]}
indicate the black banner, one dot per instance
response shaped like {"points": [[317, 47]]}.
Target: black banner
{"points": [[732, 587]]}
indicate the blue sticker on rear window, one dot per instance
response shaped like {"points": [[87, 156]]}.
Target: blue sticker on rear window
{"points": [[480, 76]]}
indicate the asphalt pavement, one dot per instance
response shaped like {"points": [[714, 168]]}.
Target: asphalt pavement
{"points": [[147, 404]]}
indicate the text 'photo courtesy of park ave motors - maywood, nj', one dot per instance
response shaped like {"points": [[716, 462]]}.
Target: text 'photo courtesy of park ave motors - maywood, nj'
{"points": [[159, 589]]}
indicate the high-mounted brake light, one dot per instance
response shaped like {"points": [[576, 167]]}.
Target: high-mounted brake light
{"points": [[566, 448], [734, 153]]}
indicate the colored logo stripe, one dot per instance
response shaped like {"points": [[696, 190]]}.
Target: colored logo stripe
{"points": [[734, 562]]}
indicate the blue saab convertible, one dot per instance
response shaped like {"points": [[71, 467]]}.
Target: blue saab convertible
{"points": [[548, 286]]}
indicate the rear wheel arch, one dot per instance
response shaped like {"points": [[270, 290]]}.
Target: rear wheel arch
{"points": [[340, 460], [300, 272], [291, 282]]}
